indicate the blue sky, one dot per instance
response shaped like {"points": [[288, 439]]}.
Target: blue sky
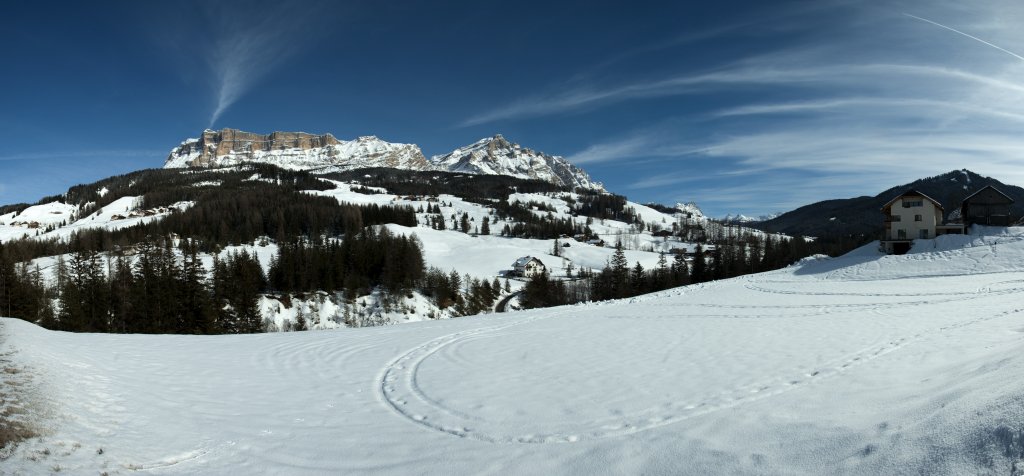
{"points": [[743, 107]]}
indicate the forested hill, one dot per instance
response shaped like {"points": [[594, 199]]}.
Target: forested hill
{"points": [[863, 216], [256, 247]]}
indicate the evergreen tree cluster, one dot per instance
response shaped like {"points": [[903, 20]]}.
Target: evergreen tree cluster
{"points": [[358, 263], [155, 292], [619, 280], [444, 288], [164, 187], [231, 216], [727, 259], [477, 188], [606, 206], [22, 291], [527, 224]]}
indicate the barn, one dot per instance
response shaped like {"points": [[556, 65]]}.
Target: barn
{"points": [[987, 206]]}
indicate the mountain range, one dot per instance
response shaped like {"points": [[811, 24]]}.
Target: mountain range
{"points": [[324, 154]]}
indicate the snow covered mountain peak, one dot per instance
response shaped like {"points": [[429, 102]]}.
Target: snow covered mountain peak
{"points": [[493, 155], [690, 208], [740, 218], [294, 150], [498, 156]]}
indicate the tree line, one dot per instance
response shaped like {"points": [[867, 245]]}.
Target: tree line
{"points": [[726, 259]]}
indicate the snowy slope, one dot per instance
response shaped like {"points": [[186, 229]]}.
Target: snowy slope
{"points": [[865, 364], [487, 256], [35, 219], [121, 213]]}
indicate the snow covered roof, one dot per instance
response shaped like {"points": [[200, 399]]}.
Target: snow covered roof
{"points": [[521, 262]]}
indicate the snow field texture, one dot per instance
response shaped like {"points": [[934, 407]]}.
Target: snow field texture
{"points": [[860, 364]]}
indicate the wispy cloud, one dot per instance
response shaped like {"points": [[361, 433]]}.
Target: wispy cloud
{"points": [[975, 38], [867, 100], [583, 97], [874, 107], [749, 72], [637, 146], [240, 46]]}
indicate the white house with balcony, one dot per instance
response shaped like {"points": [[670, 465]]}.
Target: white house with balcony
{"points": [[910, 216], [528, 267]]}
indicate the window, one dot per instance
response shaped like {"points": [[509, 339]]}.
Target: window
{"points": [[894, 218], [901, 234], [917, 218], [923, 234], [912, 203]]}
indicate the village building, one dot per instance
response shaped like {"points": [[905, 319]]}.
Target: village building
{"points": [[909, 216], [914, 215], [987, 206], [528, 267]]}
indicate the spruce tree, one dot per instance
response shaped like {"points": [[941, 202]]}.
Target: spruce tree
{"points": [[680, 270], [699, 266], [638, 279], [619, 271]]}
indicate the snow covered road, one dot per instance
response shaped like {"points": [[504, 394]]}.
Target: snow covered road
{"points": [[861, 364]]}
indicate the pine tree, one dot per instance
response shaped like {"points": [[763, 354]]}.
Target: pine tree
{"points": [[198, 315], [638, 279], [680, 270], [620, 272], [699, 266], [662, 278], [121, 284]]}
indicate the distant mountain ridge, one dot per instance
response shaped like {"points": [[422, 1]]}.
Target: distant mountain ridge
{"points": [[740, 218], [497, 156], [325, 153], [862, 215]]}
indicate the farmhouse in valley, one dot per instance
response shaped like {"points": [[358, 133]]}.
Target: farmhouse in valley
{"points": [[909, 216], [987, 206], [527, 267], [913, 215]]}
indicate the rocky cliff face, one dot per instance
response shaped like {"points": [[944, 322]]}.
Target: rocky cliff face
{"points": [[293, 150], [497, 156], [324, 153]]}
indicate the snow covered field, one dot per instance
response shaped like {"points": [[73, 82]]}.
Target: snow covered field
{"points": [[861, 364]]}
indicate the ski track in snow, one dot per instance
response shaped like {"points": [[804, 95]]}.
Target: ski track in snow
{"points": [[800, 367], [400, 389], [398, 386]]}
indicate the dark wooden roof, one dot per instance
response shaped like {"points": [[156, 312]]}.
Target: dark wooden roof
{"points": [[1008, 199]]}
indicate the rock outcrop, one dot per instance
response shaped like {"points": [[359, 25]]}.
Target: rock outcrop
{"points": [[294, 150], [497, 156]]}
